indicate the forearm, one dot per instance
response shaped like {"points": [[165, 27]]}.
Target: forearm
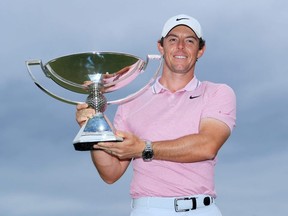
{"points": [[188, 149], [195, 147], [110, 168]]}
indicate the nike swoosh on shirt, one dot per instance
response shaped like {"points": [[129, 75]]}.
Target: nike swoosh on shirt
{"points": [[193, 97]]}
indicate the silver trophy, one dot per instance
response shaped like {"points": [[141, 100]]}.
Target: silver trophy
{"points": [[95, 74]]}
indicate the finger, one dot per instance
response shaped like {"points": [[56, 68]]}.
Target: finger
{"points": [[81, 106], [99, 147], [109, 147], [85, 113], [96, 147], [105, 145], [121, 133], [105, 149], [87, 83]]}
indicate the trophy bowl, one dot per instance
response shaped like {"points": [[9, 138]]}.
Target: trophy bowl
{"points": [[94, 74]]}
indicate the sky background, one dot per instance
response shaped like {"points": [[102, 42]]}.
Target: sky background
{"points": [[42, 174]]}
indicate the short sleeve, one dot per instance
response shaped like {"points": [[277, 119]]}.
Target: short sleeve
{"points": [[220, 103]]}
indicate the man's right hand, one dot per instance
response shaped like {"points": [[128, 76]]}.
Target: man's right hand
{"points": [[83, 113]]}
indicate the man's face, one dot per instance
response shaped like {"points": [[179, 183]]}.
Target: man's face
{"points": [[181, 50]]}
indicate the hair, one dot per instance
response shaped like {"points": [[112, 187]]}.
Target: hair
{"points": [[201, 42]]}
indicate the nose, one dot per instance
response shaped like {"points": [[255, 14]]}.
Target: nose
{"points": [[181, 44]]}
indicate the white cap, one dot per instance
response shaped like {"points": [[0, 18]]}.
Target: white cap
{"points": [[182, 19]]}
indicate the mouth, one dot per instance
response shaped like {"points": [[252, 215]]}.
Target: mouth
{"points": [[180, 57]]}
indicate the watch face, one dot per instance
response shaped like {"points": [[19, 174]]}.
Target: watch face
{"points": [[147, 155]]}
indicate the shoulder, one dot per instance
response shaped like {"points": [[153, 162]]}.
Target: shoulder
{"points": [[211, 89]]}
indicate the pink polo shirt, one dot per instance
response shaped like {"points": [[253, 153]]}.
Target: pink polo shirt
{"points": [[159, 115]]}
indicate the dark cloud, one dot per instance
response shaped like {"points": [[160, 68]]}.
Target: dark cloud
{"points": [[40, 171]]}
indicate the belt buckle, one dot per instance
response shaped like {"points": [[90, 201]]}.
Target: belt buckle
{"points": [[193, 204]]}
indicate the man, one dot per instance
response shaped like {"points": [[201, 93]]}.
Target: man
{"points": [[172, 133]]}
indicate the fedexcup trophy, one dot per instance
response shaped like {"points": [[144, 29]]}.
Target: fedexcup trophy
{"points": [[94, 73]]}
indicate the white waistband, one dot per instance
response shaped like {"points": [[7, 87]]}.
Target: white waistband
{"points": [[177, 203]]}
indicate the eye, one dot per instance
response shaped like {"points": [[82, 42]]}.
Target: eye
{"points": [[190, 41], [172, 39]]}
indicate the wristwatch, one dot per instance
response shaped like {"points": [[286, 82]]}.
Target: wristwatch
{"points": [[148, 153]]}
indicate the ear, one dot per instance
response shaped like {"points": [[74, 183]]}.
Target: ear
{"points": [[160, 48], [201, 52]]}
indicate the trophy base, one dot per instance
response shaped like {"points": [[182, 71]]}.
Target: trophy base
{"points": [[96, 129], [88, 146]]}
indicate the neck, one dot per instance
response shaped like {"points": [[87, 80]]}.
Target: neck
{"points": [[175, 82]]}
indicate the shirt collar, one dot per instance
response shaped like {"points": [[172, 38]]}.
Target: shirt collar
{"points": [[157, 87]]}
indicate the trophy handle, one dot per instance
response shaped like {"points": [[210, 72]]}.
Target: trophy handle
{"points": [[142, 90], [39, 62]]}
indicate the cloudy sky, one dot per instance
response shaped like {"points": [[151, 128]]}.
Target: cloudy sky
{"points": [[42, 174]]}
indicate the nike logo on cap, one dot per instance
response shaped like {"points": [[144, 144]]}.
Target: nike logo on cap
{"points": [[178, 19]]}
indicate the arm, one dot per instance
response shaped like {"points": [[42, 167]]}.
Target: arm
{"points": [[195, 147], [110, 168], [187, 149], [218, 119]]}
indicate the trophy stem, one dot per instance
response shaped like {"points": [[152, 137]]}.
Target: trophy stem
{"points": [[98, 128], [96, 98]]}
